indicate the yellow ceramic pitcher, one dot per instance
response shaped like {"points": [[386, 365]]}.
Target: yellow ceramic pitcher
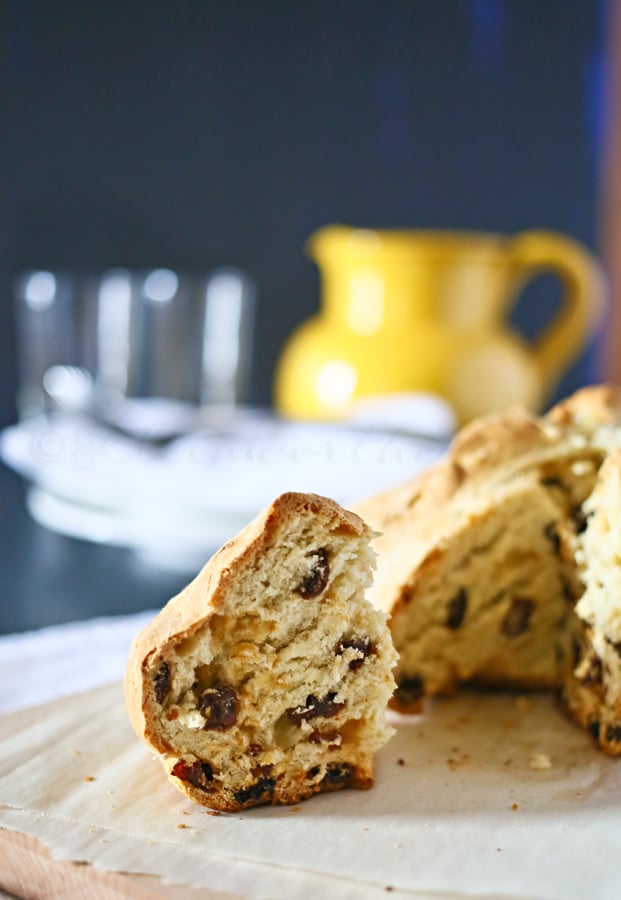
{"points": [[417, 310]]}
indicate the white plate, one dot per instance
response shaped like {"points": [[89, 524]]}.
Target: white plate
{"points": [[177, 503]]}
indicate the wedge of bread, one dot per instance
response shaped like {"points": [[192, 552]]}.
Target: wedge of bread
{"points": [[476, 562], [267, 679]]}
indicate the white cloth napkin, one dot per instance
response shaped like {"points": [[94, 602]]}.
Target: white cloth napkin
{"points": [[42, 665]]}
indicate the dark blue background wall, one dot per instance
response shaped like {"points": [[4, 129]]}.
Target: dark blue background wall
{"points": [[197, 133]]}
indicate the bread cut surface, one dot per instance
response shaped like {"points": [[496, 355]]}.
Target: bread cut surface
{"points": [[592, 654], [476, 562], [266, 680]]}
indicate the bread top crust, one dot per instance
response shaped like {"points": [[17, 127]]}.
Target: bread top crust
{"points": [[189, 610], [487, 458], [485, 446], [589, 407]]}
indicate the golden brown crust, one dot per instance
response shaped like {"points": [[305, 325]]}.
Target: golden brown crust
{"points": [[590, 406], [482, 454], [488, 445], [483, 447]]}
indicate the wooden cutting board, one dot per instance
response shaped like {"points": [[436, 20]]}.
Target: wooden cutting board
{"points": [[28, 871]]}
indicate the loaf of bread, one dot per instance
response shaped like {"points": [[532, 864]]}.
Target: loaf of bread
{"points": [[476, 562], [267, 679], [591, 686]]}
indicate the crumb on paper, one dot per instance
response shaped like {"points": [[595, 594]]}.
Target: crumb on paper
{"points": [[89, 778], [454, 764], [296, 809], [212, 812], [76, 752], [401, 761], [523, 703], [539, 762], [389, 887], [514, 806], [185, 812], [182, 825], [507, 762]]}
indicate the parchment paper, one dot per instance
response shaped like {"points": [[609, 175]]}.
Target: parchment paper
{"points": [[464, 804]]}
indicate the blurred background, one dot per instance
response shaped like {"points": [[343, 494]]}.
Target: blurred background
{"points": [[200, 134]]}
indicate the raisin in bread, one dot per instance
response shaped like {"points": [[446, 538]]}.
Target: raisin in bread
{"points": [[267, 679], [591, 687], [476, 562]]}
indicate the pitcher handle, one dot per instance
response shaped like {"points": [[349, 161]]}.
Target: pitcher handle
{"points": [[583, 299]]}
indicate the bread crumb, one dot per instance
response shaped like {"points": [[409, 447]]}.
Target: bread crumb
{"points": [[296, 809], [514, 806], [453, 763], [400, 761], [89, 778], [181, 825], [212, 812], [539, 762]]}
